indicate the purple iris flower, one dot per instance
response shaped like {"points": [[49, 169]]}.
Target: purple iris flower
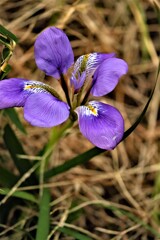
{"points": [[92, 75]]}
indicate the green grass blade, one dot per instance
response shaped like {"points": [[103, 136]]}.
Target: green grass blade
{"points": [[19, 194], [15, 148], [44, 216], [73, 233], [11, 112], [80, 159], [7, 179]]}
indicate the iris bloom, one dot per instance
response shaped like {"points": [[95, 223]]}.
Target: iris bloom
{"points": [[92, 75]]}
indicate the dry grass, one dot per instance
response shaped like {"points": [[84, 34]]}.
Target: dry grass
{"points": [[125, 178]]}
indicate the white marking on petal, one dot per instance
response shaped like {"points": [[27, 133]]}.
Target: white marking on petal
{"points": [[35, 87], [86, 63], [88, 110], [92, 61]]}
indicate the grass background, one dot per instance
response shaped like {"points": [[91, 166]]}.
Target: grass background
{"points": [[116, 195]]}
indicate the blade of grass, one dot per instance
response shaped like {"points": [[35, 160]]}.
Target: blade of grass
{"points": [[74, 233], [86, 156], [15, 148], [19, 194], [80, 159], [7, 178], [11, 112], [20, 182], [44, 216]]}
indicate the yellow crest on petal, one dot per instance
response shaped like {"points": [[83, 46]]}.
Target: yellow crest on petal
{"points": [[93, 110]]}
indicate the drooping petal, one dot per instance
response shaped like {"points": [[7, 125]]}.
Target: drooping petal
{"points": [[41, 108], [44, 110], [15, 91], [107, 76], [12, 93], [101, 124], [53, 52]]}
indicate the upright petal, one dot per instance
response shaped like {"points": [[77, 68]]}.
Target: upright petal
{"points": [[101, 124], [79, 81], [53, 52], [91, 61], [87, 64], [44, 110], [107, 75]]}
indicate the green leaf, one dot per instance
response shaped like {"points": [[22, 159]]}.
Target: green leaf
{"points": [[44, 216], [7, 179], [8, 34], [15, 148], [80, 159], [4, 41], [11, 112], [6, 52], [5, 72], [77, 235], [19, 194]]}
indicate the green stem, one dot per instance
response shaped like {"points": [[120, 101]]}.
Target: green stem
{"points": [[56, 134], [43, 222], [44, 216], [64, 83]]}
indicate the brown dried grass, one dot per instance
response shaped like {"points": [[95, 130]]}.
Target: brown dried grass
{"points": [[124, 178]]}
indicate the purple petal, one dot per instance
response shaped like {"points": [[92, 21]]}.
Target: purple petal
{"points": [[101, 124], [107, 75], [44, 110], [53, 52], [90, 62], [78, 82], [12, 93], [87, 64]]}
